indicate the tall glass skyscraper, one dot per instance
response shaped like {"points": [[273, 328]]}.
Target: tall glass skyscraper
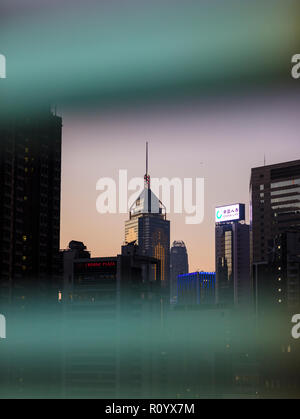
{"points": [[149, 228]]}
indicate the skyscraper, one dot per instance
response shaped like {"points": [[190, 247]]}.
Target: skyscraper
{"points": [[274, 211], [30, 184], [274, 204], [232, 256], [149, 228], [179, 264]]}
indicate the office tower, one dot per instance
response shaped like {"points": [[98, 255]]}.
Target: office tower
{"points": [[150, 230], [232, 256], [196, 288], [179, 265], [30, 182], [275, 204], [274, 210]]}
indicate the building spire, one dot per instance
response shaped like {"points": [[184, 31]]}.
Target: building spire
{"points": [[147, 176], [147, 158]]}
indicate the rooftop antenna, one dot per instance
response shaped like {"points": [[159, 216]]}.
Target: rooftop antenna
{"points": [[147, 177], [264, 159], [147, 158]]}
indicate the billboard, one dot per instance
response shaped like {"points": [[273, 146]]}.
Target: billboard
{"points": [[96, 265], [228, 213]]}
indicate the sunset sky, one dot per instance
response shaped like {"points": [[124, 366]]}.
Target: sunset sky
{"points": [[219, 139]]}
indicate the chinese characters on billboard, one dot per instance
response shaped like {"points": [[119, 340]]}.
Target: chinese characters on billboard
{"points": [[230, 213]]}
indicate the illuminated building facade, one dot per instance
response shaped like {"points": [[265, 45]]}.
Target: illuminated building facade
{"points": [[150, 230], [30, 190], [196, 288]]}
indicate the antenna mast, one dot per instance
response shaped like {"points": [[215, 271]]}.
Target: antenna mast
{"points": [[146, 158], [147, 177]]}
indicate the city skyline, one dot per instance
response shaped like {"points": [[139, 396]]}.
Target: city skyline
{"points": [[119, 136], [180, 282]]}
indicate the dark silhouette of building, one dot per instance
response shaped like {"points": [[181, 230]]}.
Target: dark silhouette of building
{"points": [[150, 230], [113, 294], [179, 265], [274, 211], [275, 204], [280, 287], [30, 187], [232, 259], [129, 267]]}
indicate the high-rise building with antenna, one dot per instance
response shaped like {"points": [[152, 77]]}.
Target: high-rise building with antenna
{"points": [[149, 228]]}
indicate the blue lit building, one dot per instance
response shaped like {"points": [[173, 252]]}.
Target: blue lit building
{"points": [[196, 288]]}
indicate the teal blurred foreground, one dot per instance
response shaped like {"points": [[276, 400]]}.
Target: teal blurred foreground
{"points": [[82, 54], [86, 345]]}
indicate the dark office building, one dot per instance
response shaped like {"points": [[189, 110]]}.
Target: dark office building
{"points": [[275, 204], [107, 300], [149, 228], [274, 211], [129, 267], [30, 184], [90, 301], [179, 265], [277, 284], [286, 263], [232, 256]]}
